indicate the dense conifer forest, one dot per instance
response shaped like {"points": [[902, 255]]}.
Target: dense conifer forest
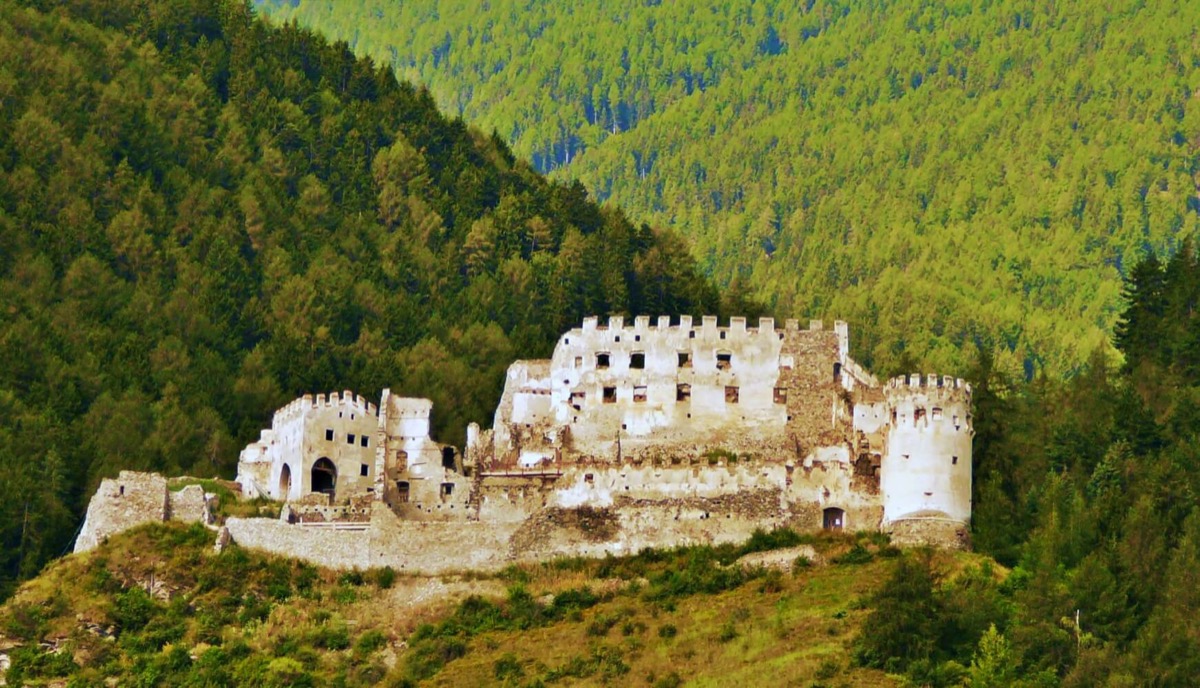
{"points": [[202, 217], [933, 172]]}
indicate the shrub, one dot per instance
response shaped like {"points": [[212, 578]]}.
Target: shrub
{"points": [[727, 633], [667, 631], [384, 578], [857, 555], [508, 667], [369, 642]]}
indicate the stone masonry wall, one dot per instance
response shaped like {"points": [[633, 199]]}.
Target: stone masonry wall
{"points": [[123, 503]]}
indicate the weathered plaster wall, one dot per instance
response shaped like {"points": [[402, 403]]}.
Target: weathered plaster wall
{"points": [[927, 468]]}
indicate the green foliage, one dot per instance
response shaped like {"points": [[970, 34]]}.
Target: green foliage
{"points": [[934, 173], [202, 217]]}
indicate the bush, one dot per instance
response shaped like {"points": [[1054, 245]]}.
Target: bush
{"points": [[667, 631], [728, 632], [133, 609], [857, 555], [369, 642], [508, 667], [385, 578]]}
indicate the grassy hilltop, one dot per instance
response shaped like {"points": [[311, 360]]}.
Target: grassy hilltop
{"points": [[156, 606]]}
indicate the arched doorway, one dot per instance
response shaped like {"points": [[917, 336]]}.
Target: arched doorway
{"points": [[285, 481], [324, 476], [835, 518]]}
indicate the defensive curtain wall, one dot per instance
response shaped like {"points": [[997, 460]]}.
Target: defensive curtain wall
{"points": [[630, 436]]}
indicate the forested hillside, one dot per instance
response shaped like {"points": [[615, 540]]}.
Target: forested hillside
{"points": [[933, 172], [202, 217]]}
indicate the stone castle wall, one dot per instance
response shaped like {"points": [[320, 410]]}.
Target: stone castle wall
{"points": [[133, 499]]}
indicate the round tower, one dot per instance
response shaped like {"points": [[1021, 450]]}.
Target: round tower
{"points": [[925, 475]]}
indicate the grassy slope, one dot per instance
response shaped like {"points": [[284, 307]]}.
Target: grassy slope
{"points": [[243, 617]]}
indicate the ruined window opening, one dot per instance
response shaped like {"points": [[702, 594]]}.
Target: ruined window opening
{"points": [[339, 414], [602, 360], [589, 478], [722, 334], [691, 334], [567, 340], [610, 395], [834, 518], [350, 438], [685, 359], [624, 426], [955, 419], [448, 457], [724, 360], [121, 491], [683, 393], [639, 393], [637, 337], [781, 395], [364, 470], [324, 476], [937, 414], [577, 400], [364, 441], [731, 395], [351, 416], [637, 360], [837, 372], [918, 415], [893, 416], [447, 490], [285, 481], [329, 435], [579, 361], [953, 460], [617, 339]]}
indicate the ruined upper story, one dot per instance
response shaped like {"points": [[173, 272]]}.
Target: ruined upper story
{"points": [[624, 390]]}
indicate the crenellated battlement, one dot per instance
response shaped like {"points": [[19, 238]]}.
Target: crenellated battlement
{"points": [[347, 401], [928, 384], [709, 327]]}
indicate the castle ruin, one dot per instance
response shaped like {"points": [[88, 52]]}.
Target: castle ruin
{"points": [[650, 434]]}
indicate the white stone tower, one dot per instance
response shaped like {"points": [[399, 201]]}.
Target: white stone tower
{"points": [[925, 475]]}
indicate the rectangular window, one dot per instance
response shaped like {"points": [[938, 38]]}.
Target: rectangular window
{"points": [[639, 394], [637, 360], [350, 438], [579, 361], [365, 441], [954, 460], [364, 470], [685, 359], [577, 400], [937, 414], [724, 360], [731, 395], [602, 360], [918, 415], [683, 392], [610, 395], [329, 435], [781, 395], [402, 489]]}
